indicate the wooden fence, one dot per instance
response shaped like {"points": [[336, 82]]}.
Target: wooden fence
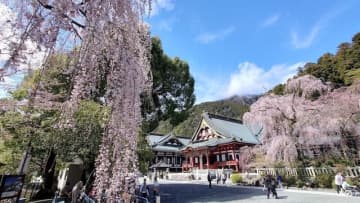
{"points": [[309, 171]]}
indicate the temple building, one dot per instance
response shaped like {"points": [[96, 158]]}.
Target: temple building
{"points": [[167, 151], [217, 143]]}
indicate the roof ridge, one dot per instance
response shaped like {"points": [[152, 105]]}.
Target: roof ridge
{"points": [[211, 115], [165, 138], [183, 137], [157, 134]]}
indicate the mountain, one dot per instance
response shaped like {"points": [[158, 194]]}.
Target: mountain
{"points": [[233, 107]]}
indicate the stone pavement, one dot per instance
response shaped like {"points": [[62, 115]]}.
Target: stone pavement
{"points": [[186, 192]]}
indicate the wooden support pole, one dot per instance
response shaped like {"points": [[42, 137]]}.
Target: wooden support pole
{"points": [[207, 160]]}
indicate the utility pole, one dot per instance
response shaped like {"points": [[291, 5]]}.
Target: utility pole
{"points": [[26, 159]]}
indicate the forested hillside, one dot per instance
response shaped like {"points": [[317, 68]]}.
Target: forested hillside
{"points": [[233, 107]]}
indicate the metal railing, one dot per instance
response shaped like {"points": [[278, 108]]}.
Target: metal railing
{"points": [[309, 171]]}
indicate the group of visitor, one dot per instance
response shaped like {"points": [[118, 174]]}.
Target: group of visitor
{"points": [[343, 186], [270, 184], [219, 177]]}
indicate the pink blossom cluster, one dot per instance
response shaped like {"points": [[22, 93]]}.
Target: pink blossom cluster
{"points": [[294, 125], [108, 38]]}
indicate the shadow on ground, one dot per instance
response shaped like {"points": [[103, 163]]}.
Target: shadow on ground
{"points": [[282, 197], [184, 193]]}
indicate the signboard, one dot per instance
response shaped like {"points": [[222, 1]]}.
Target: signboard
{"points": [[11, 186]]}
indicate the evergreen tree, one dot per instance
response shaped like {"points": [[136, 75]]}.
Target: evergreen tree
{"points": [[172, 92]]}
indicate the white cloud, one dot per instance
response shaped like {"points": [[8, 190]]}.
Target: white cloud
{"points": [[248, 80], [270, 20], [158, 5], [207, 88], [306, 41], [208, 37], [252, 79]]}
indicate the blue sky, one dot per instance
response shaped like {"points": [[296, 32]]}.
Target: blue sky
{"points": [[247, 47]]}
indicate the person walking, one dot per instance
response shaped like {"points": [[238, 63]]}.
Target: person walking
{"points": [[273, 187], [218, 177], [280, 181], [224, 177], [270, 185], [144, 190], [209, 179], [156, 187], [338, 182]]}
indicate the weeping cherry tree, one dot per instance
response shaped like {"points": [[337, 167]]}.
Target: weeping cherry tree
{"points": [[112, 45]]}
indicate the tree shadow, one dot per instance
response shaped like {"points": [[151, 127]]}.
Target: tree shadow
{"points": [[184, 193], [282, 197]]}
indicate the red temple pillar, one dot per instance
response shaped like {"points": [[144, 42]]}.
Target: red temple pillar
{"points": [[201, 161], [207, 160]]}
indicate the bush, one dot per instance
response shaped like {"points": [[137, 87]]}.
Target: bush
{"points": [[312, 182], [289, 180], [300, 183], [324, 180], [279, 89], [353, 181], [236, 178]]}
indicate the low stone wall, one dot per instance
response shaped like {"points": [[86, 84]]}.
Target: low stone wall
{"points": [[198, 174], [179, 176]]}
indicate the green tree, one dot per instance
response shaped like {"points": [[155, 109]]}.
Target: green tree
{"points": [[278, 89], [80, 141], [173, 88], [341, 68], [56, 79], [41, 125], [172, 96], [145, 153]]}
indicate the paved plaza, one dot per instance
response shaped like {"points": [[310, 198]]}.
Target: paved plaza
{"points": [[199, 192]]}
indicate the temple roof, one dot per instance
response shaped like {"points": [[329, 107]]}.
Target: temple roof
{"points": [[227, 129], [153, 138], [159, 142], [160, 165]]}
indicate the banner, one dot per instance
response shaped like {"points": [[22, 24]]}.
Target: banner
{"points": [[11, 186]]}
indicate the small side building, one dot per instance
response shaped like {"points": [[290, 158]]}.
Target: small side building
{"points": [[217, 142], [167, 152]]}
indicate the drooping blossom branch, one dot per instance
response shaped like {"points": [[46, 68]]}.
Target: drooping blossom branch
{"points": [[303, 124], [113, 38]]}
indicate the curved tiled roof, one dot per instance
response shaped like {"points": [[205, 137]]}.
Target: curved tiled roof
{"points": [[157, 141], [231, 129]]}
